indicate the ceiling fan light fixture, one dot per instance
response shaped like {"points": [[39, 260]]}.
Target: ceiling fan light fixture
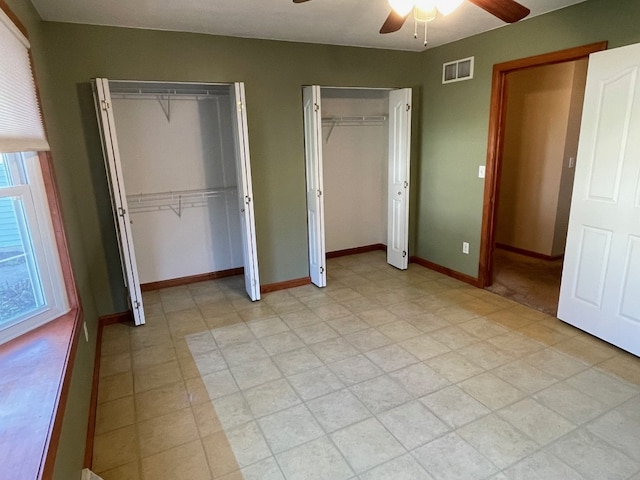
{"points": [[445, 7], [425, 10], [401, 7]]}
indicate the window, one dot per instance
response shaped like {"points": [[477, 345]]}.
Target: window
{"points": [[32, 289], [31, 285]]}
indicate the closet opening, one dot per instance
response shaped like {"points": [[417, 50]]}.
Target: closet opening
{"points": [[178, 166], [357, 144]]}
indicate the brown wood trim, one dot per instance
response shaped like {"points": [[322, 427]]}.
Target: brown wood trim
{"points": [[93, 402], [354, 251], [121, 317], [497, 114], [14, 18], [274, 287], [529, 253], [176, 282], [105, 320], [463, 277]]}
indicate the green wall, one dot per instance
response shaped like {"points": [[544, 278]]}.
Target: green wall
{"points": [[449, 129], [455, 118], [70, 454], [273, 73]]}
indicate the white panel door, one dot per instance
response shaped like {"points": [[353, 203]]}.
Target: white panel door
{"points": [[245, 191], [600, 291], [315, 203], [104, 109], [398, 189]]}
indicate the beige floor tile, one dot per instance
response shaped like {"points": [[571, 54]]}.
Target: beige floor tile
{"points": [[130, 471], [115, 386], [163, 433], [586, 349], [454, 367], [186, 322], [509, 319], [452, 458], [156, 376], [498, 440], [197, 391], [491, 391], [534, 370], [186, 461], [149, 336], [115, 448], [161, 401], [114, 364], [114, 414], [154, 355], [623, 365], [222, 460], [206, 419], [537, 421]]}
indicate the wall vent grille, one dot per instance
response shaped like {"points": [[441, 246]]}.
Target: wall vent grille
{"points": [[458, 70]]}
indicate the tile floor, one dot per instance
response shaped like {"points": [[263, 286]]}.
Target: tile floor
{"points": [[384, 374]]}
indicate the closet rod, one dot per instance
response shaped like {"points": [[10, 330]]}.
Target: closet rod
{"points": [[175, 200], [352, 121]]}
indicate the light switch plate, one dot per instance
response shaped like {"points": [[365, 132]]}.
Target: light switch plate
{"points": [[481, 171]]}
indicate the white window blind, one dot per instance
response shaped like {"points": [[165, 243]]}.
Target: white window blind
{"points": [[21, 127]]}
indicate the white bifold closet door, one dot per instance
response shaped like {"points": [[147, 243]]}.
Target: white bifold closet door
{"points": [[115, 177], [398, 188], [313, 163], [245, 192], [398, 180]]}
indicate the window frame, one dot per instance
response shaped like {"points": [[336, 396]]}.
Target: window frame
{"points": [[35, 209]]}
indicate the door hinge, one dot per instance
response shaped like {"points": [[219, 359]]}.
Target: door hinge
{"points": [[240, 106], [321, 270], [408, 107], [404, 253], [406, 184], [319, 193], [137, 304], [316, 107], [247, 199], [105, 105], [121, 211]]}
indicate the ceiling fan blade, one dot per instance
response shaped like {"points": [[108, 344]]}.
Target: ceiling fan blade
{"points": [[393, 23], [509, 11]]}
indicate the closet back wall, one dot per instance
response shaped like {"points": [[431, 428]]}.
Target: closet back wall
{"points": [[181, 145], [355, 161]]}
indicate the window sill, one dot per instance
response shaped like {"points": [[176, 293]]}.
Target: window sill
{"points": [[35, 374]]}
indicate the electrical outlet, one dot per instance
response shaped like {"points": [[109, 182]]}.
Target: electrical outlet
{"points": [[572, 162], [465, 248]]}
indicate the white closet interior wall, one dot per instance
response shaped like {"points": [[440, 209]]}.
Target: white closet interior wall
{"points": [[355, 159], [183, 145]]}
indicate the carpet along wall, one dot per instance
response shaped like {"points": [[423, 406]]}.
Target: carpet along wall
{"points": [[455, 118]]}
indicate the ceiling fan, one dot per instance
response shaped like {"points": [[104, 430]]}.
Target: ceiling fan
{"points": [[508, 11]]}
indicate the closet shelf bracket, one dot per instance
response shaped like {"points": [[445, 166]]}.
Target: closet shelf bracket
{"points": [[166, 108]]}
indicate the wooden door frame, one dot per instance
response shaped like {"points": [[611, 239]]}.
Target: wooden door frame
{"points": [[497, 120]]}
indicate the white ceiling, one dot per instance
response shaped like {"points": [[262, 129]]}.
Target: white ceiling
{"points": [[338, 22]]}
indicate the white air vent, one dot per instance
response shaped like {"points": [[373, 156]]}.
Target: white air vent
{"points": [[457, 70]]}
